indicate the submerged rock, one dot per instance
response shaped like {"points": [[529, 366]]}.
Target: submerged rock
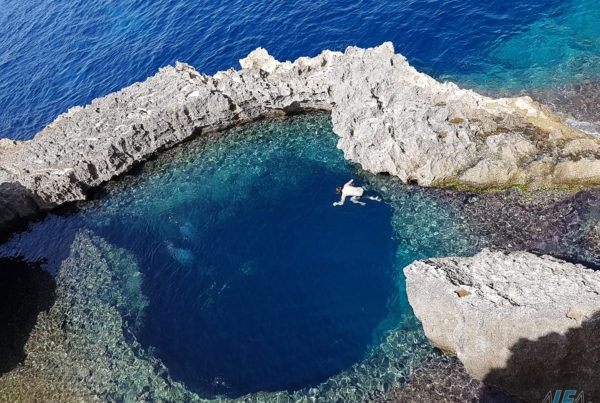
{"points": [[83, 347], [390, 118], [525, 323], [580, 103]]}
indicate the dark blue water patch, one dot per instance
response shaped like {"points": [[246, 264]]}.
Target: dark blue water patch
{"points": [[55, 55], [283, 293], [256, 281]]}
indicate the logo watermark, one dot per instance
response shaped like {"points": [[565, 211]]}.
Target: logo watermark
{"points": [[564, 396]]}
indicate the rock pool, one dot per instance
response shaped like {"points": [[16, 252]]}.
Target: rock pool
{"points": [[221, 269]]}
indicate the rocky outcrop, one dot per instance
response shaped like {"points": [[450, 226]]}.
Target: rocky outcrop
{"points": [[525, 323], [390, 118]]}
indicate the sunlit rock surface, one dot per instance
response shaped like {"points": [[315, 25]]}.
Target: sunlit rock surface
{"points": [[524, 323], [390, 118]]}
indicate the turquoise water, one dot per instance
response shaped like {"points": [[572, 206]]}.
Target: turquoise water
{"points": [[255, 282], [554, 50], [56, 55]]}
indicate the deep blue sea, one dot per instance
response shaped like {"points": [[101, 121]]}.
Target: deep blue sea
{"points": [[255, 282], [58, 54]]}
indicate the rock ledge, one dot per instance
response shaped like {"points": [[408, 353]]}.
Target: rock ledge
{"points": [[390, 118]]}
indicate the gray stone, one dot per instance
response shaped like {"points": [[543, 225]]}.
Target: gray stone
{"points": [[525, 323], [390, 118]]}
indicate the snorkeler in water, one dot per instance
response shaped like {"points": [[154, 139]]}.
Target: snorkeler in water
{"points": [[354, 192]]}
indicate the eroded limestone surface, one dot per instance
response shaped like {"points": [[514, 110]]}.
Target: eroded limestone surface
{"points": [[390, 118], [522, 322]]}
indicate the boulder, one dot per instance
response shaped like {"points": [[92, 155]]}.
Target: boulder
{"points": [[527, 324]]}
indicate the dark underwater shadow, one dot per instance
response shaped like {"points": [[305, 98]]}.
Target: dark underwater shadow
{"points": [[25, 290], [17, 204], [552, 362]]}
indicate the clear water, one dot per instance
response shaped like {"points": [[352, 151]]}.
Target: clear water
{"points": [[559, 49], [55, 55], [255, 281]]}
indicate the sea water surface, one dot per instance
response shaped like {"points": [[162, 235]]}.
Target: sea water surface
{"points": [[56, 55]]}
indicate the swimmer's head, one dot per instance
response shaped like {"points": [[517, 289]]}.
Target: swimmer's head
{"points": [[338, 189]]}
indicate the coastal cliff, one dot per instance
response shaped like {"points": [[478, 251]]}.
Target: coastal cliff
{"points": [[390, 118], [525, 323]]}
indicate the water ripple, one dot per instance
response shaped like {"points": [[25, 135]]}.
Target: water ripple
{"points": [[55, 55]]}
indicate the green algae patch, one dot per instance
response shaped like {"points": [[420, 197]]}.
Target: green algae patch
{"points": [[456, 121]]}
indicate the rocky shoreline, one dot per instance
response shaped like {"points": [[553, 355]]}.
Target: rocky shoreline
{"points": [[390, 119]]}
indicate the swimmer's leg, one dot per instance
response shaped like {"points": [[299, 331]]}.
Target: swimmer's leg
{"points": [[374, 198], [354, 199]]}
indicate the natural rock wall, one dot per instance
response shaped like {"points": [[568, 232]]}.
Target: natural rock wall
{"points": [[524, 323], [390, 118]]}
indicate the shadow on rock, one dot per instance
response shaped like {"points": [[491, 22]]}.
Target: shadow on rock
{"points": [[555, 361], [16, 202], [25, 290]]}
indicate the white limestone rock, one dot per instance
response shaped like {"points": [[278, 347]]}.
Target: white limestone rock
{"points": [[525, 323], [390, 118]]}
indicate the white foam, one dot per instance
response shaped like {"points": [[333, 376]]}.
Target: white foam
{"points": [[592, 128]]}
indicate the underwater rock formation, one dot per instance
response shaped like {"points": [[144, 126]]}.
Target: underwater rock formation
{"points": [[579, 103], [25, 290], [83, 348], [524, 323], [390, 118]]}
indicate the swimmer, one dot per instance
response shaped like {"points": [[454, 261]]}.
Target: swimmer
{"points": [[355, 192]]}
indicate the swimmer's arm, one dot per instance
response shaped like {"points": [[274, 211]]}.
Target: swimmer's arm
{"points": [[349, 182], [341, 202]]}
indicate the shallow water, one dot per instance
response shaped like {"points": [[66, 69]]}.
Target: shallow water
{"points": [[56, 55], [558, 49]]}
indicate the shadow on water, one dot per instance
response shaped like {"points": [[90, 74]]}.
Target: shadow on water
{"points": [[552, 362], [25, 290], [14, 194]]}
